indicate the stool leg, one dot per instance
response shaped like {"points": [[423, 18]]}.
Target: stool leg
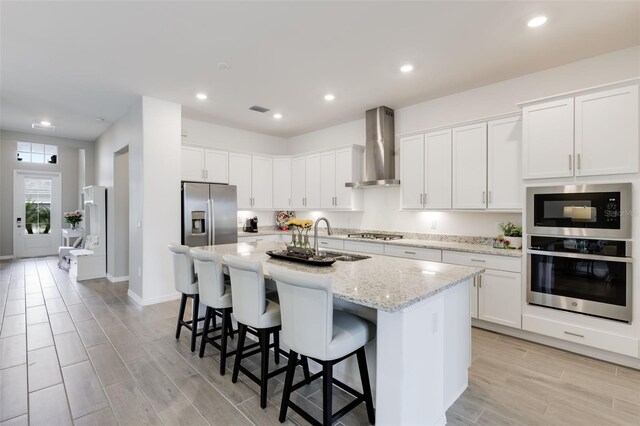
{"points": [[230, 324], [223, 341], [242, 330], [305, 369], [183, 304], [276, 346], [366, 385], [327, 393], [194, 321], [205, 331], [264, 361], [288, 383]]}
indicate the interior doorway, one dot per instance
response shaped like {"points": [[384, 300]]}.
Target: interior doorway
{"points": [[121, 215], [37, 213]]}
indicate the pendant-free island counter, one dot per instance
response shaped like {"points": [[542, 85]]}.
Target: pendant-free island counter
{"points": [[419, 359]]}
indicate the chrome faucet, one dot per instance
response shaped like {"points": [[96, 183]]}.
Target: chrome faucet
{"points": [[315, 232]]}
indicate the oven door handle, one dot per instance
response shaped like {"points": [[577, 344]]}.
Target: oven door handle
{"points": [[581, 256]]}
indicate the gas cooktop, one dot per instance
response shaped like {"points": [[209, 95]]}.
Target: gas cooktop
{"points": [[372, 236]]}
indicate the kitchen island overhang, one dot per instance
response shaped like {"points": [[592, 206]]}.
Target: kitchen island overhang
{"points": [[422, 350]]}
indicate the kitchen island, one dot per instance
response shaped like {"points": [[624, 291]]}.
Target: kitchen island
{"points": [[422, 350]]}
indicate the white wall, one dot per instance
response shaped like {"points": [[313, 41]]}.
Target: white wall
{"points": [[381, 206], [228, 138]]}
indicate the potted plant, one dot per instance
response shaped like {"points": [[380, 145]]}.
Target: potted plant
{"points": [[513, 234]]}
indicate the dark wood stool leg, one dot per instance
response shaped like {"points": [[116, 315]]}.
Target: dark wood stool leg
{"points": [[305, 369], [327, 393], [264, 361], [205, 330], [288, 383], [242, 330], [183, 305], [194, 322], [366, 385], [230, 323], [276, 346], [224, 330]]}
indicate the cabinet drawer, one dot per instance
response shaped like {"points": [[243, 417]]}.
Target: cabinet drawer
{"points": [[362, 247], [257, 238], [432, 255], [585, 336], [502, 263], [330, 243]]}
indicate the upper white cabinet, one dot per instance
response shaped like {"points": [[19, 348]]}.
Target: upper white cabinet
{"points": [[606, 132], [470, 166], [204, 165], [312, 181], [282, 183], [328, 180], [261, 182], [240, 176], [504, 163], [425, 170], [336, 169], [298, 179], [590, 134]]}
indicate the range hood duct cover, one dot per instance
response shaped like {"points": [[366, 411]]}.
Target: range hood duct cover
{"points": [[379, 149]]}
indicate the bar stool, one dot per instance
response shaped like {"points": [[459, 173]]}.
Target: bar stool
{"points": [[215, 294], [252, 309], [311, 327], [184, 279]]}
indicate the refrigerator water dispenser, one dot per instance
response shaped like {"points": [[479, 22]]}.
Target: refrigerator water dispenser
{"points": [[197, 222]]}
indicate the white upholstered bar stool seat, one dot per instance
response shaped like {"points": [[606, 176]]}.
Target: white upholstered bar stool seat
{"points": [[215, 294], [185, 282], [312, 328]]}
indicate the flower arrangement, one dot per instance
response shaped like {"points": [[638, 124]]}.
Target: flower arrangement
{"points": [[302, 227], [73, 218], [511, 230], [511, 236]]}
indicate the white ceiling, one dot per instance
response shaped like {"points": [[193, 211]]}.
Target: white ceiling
{"points": [[70, 62]]}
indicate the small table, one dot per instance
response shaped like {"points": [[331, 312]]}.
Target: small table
{"points": [[68, 233]]}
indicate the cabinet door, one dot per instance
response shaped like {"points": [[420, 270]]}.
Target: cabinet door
{"points": [[240, 176], [192, 163], [345, 172], [262, 182], [606, 127], [412, 171], [499, 298], [504, 158], [327, 180], [298, 178], [473, 296], [470, 166], [312, 181], [216, 165], [547, 139], [437, 173], [282, 183]]}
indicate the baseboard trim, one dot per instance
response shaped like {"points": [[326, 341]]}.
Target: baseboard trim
{"points": [[117, 279], [596, 353], [152, 301], [7, 257]]}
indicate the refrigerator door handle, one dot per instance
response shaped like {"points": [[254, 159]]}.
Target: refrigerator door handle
{"points": [[212, 224]]}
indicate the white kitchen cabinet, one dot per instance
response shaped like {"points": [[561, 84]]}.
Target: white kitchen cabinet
{"points": [[330, 244], [408, 252], [364, 247], [216, 166], [336, 169], [328, 180], [240, 176], [500, 298], [473, 289], [504, 157], [606, 132], [298, 182], [437, 173], [282, 183], [470, 166], [547, 139], [412, 171], [261, 182], [192, 164], [312, 181]]}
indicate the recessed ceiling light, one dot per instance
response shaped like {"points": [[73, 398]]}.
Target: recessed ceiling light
{"points": [[45, 123], [537, 21], [406, 68], [329, 97], [277, 116], [201, 96]]}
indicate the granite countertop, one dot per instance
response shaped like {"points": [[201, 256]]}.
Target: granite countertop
{"points": [[385, 283]]}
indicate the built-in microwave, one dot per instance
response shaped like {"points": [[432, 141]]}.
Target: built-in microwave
{"points": [[597, 211]]}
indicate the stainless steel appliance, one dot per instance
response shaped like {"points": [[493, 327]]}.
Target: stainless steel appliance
{"points": [[209, 214], [598, 211], [589, 276], [373, 236]]}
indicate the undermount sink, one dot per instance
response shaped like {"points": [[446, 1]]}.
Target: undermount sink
{"points": [[344, 257]]}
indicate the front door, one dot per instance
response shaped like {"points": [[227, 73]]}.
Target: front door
{"points": [[36, 213]]}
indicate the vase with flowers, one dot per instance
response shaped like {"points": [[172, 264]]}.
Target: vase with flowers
{"points": [[73, 218], [300, 236], [512, 235]]}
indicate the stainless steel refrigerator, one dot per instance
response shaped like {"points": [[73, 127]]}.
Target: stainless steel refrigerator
{"points": [[209, 214]]}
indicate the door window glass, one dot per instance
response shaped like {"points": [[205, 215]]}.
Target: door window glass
{"points": [[37, 205]]}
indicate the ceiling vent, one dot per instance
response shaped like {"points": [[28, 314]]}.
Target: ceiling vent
{"points": [[259, 109], [39, 126]]}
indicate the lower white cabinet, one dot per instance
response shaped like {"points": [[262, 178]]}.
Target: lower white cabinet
{"points": [[364, 247], [418, 253], [330, 244], [500, 298], [258, 238]]}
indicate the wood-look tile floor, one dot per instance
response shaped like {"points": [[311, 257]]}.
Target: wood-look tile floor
{"points": [[83, 353]]}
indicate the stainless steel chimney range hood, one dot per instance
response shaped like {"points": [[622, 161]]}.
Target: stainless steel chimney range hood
{"points": [[379, 150]]}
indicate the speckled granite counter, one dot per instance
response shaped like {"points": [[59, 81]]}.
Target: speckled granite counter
{"points": [[384, 283]]}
